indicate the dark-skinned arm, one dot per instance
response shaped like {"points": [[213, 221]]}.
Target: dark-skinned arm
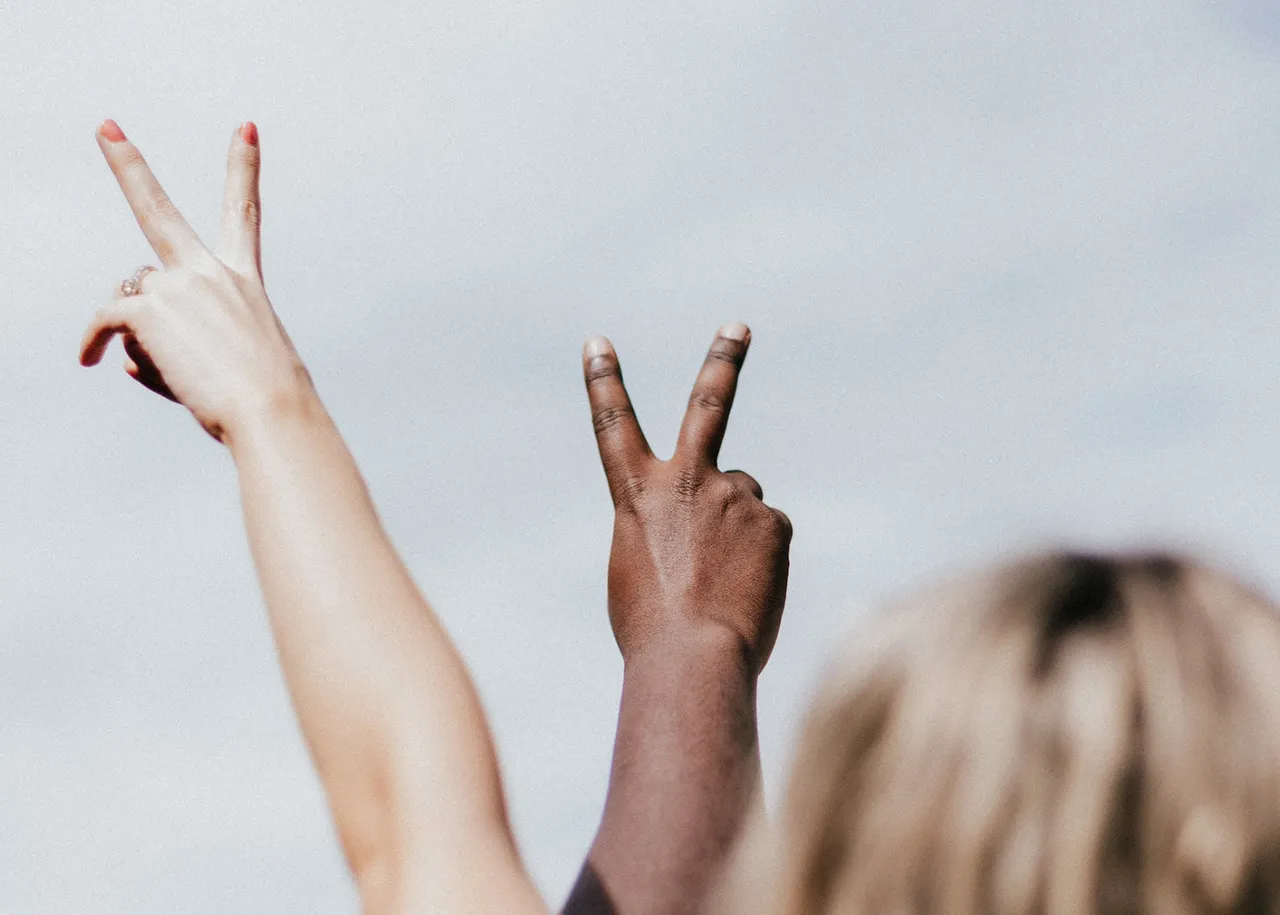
{"points": [[697, 582]]}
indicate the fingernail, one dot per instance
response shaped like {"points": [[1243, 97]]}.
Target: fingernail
{"points": [[597, 346], [111, 130], [735, 331], [249, 133]]}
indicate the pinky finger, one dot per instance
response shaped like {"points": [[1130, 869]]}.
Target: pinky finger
{"points": [[141, 369], [149, 382], [118, 316]]}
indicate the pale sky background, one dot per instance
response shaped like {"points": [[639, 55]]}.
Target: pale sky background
{"points": [[1010, 269]]}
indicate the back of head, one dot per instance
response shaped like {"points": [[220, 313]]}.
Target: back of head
{"points": [[1065, 735]]}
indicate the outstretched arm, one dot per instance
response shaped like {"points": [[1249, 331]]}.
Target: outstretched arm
{"points": [[387, 708], [697, 582]]}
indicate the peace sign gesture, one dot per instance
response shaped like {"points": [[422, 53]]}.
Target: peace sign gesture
{"points": [[691, 544], [201, 331]]}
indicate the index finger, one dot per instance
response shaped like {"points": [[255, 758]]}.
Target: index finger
{"points": [[171, 238], [708, 415], [623, 449]]}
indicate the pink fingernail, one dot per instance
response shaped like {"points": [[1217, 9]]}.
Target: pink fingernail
{"points": [[249, 133], [111, 130], [597, 346], [735, 331]]}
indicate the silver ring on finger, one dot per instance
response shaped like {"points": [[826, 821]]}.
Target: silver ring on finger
{"points": [[133, 285]]}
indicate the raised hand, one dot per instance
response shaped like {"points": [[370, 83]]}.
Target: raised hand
{"points": [[202, 331], [690, 543], [697, 580], [385, 703]]}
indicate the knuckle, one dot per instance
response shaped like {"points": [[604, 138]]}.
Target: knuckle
{"points": [[249, 156], [206, 271], [601, 370], [184, 282], [246, 210], [782, 524], [251, 212], [164, 250], [131, 159], [628, 491], [609, 417], [107, 315], [687, 483], [143, 309], [730, 492], [708, 399], [154, 281], [206, 265], [160, 206], [721, 353], [130, 311]]}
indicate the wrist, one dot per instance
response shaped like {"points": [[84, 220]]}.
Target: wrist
{"points": [[707, 646], [286, 412]]}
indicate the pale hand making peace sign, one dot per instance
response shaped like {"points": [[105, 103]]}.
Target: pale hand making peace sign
{"points": [[385, 703], [692, 545], [201, 331]]}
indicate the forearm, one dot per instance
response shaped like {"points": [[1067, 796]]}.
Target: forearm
{"points": [[384, 701], [685, 769], [386, 706]]}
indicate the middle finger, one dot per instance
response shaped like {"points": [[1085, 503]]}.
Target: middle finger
{"points": [[708, 414]]}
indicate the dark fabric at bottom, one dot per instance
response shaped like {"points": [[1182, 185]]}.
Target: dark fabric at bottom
{"points": [[588, 896]]}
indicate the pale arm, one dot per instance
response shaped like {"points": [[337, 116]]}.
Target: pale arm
{"points": [[387, 708], [385, 703]]}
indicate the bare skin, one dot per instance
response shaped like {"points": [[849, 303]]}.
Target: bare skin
{"points": [[697, 579], [697, 583], [387, 708]]}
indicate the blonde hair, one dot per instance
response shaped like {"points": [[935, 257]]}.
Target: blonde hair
{"points": [[1065, 735]]}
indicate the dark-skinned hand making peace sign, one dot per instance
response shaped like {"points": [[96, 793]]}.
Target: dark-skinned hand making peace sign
{"points": [[691, 543], [697, 580]]}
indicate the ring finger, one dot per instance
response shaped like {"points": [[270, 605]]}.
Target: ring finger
{"points": [[746, 480], [143, 280]]}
